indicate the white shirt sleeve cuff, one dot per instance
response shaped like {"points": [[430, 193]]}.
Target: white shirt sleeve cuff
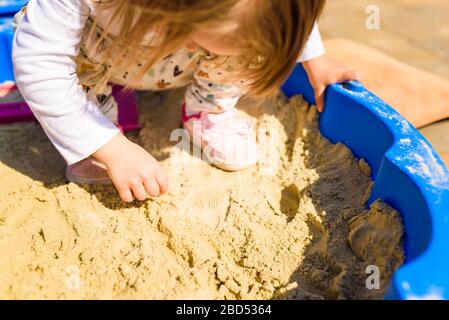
{"points": [[314, 47], [78, 135]]}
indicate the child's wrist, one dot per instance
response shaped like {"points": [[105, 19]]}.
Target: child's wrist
{"points": [[109, 151], [307, 64]]}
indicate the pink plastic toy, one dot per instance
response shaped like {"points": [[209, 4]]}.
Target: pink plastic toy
{"points": [[128, 115], [16, 110]]}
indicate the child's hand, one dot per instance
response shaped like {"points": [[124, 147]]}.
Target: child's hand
{"points": [[323, 71], [134, 172]]}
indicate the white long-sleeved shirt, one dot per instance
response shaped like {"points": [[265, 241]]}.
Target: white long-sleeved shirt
{"points": [[44, 51]]}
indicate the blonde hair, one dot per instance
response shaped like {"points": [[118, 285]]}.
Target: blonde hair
{"points": [[274, 32]]}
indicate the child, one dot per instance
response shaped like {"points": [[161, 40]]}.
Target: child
{"points": [[67, 52]]}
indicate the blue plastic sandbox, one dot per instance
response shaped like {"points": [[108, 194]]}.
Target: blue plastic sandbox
{"points": [[10, 7], [6, 36], [407, 172]]}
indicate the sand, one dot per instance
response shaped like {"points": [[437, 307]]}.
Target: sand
{"points": [[294, 227]]}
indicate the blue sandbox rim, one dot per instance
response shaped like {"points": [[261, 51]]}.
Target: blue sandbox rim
{"points": [[6, 38], [407, 172], [10, 7]]}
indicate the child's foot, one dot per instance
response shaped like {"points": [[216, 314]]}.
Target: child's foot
{"points": [[227, 142], [9, 93], [88, 171]]}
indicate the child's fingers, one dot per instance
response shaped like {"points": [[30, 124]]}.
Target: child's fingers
{"points": [[152, 187], [349, 76], [357, 76], [319, 97], [125, 194], [139, 191], [162, 180]]}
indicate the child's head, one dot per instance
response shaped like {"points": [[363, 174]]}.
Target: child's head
{"points": [[268, 34]]}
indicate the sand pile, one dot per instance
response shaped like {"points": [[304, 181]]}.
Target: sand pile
{"points": [[293, 227]]}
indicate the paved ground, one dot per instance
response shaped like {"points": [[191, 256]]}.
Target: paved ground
{"points": [[413, 31]]}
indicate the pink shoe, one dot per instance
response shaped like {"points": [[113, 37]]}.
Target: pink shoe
{"points": [[227, 142], [88, 171]]}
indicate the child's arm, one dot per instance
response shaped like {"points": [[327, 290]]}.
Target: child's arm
{"points": [[322, 70], [45, 46], [44, 49]]}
